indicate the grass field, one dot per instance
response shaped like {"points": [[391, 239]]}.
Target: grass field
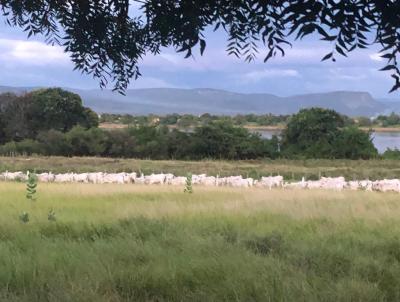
{"points": [[290, 169], [135, 243]]}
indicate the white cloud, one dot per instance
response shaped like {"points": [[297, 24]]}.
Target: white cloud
{"points": [[258, 75], [347, 74], [34, 53], [151, 82], [376, 57]]}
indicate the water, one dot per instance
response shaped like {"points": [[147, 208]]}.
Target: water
{"points": [[382, 140]]}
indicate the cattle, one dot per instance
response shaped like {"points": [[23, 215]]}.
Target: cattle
{"points": [[238, 181], [328, 183], [81, 177], [46, 177], [65, 177], [155, 179], [386, 185], [177, 181], [353, 185], [366, 185], [14, 176], [271, 182]]}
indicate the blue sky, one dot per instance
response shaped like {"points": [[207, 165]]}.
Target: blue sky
{"points": [[30, 62]]}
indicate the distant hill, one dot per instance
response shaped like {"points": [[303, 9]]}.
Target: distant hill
{"points": [[198, 101]]}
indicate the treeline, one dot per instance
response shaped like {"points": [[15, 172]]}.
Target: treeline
{"points": [[184, 121], [216, 141], [54, 122], [192, 121]]}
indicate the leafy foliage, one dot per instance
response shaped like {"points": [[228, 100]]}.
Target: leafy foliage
{"points": [[31, 186], [319, 133], [107, 39], [312, 133], [392, 154], [188, 184], [214, 141], [51, 215], [25, 116], [24, 217]]}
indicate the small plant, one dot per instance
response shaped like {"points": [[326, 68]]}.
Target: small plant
{"points": [[188, 185], [24, 217], [51, 216], [31, 186]]}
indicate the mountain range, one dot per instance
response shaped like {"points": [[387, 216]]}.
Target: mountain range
{"points": [[214, 101]]}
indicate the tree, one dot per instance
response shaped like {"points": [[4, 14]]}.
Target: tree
{"points": [[319, 133], [107, 39], [312, 133], [58, 109], [26, 115], [353, 143], [220, 139]]}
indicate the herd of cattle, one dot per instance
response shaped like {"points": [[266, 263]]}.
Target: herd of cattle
{"points": [[333, 183]]}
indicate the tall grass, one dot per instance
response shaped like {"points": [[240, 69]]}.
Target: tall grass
{"points": [[135, 243]]}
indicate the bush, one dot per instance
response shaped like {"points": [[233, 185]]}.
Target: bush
{"points": [[391, 154], [86, 142], [24, 147], [319, 133], [353, 143]]}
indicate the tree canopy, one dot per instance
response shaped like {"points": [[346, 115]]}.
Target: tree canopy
{"points": [[26, 115], [108, 38], [320, 133]]}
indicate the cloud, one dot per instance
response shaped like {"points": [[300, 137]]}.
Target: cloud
{"points": [[376, 57], [152, 82], [258, 75], [33, 53], [347, 74]]}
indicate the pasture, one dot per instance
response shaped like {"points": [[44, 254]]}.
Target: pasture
{"points": [[155, 243], [289, 169]]}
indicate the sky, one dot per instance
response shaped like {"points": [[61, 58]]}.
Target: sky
{"points": [[30, 62]]}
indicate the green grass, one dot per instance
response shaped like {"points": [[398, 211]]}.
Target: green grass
{"points": [[135, 243], [290, 169]]}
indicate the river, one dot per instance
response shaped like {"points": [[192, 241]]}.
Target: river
{"points": [[382, 140]]}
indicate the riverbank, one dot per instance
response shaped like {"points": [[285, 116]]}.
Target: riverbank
{"points": [[276, 128]]}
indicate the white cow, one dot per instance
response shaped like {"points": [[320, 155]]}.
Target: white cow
{"points": [[333, 183], [46, 177], [177, 181], [155, 179], [13, 176], [386, 185], [353, 185], [80, 177], [366, 185], [198, 179], [210, 181], [271, 182], [65, 177], [96, 177]]}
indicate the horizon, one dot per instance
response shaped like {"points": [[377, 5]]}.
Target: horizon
{"points": [[386, 98]]}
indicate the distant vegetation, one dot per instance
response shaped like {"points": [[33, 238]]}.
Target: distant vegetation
{"points": [[54, 122], [184, 121]]}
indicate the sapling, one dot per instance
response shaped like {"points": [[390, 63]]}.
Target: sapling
{"points": [[188, 185], [51, 216], [24, 217], [31, 186]]}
